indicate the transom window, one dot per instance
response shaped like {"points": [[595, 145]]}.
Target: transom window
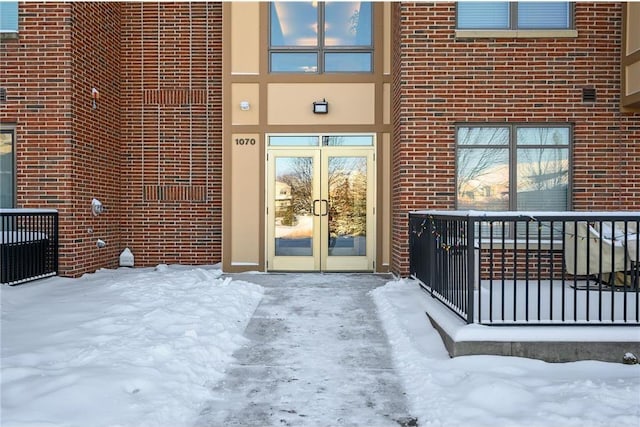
{"points": [[7, 168], [513, 167], [502, 15], [321, 37], [320, 140], [8, 17]]}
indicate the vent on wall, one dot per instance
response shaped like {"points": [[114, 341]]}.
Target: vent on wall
{"points": [[3, 95], [588, 94]]}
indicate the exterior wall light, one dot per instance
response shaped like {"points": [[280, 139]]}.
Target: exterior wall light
{"points": [[96, 207], [244, 105], [321, 107]]}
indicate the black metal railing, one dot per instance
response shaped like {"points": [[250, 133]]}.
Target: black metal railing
{"points": [[28, 244], [514, 268]]}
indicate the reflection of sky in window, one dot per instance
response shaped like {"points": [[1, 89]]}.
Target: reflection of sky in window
{"points": [[293, 166], [348, 24], [293, 140], [294, 24], [543, 136]]}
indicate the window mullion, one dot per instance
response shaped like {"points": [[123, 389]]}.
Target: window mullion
{"points": [[513, 169], [321, 17], [513, 15]]}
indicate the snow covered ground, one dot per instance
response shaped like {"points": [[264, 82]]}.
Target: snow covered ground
{"points": [[145, 347]]}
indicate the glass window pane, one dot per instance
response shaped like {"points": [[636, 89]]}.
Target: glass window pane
{"points": [[483, 135], [543, 136], [543, 14], [483, 178], [294, 24], [347, 62], [543, 179], [293, 206], [7, 178], [480, 14], [347, 178], [9, 16], [347, 23], [349, 140], [294, 62], [293, 141]]}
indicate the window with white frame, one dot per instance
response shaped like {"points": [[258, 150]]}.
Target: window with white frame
{"points": [[8, 17], [321, 37], [7, 168], [503, 15], [513, 167]]}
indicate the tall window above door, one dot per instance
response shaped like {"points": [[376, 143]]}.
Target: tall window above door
{"points": [[321, 37]]}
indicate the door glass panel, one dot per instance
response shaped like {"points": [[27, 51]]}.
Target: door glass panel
{"points": [[293, 206], [347, 204]]}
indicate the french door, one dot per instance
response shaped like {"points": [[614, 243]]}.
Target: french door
{"points": [[320, 209]]}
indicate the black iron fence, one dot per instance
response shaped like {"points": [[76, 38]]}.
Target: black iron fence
{"points": [[28, 244], [516, 268]]}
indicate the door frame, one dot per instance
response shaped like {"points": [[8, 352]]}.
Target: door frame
{"points": [[321, 261]]}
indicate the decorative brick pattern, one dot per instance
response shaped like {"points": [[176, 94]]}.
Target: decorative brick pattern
{"points": [[175, 96], [172, 132]]}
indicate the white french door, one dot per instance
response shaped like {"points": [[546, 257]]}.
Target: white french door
{"points": [[320, 208]]}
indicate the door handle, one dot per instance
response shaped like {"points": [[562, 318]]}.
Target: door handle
{"points": [[326, 207], [313, 207]]}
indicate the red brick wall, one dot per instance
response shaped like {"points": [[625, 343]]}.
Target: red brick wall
{"points": [[172, 132], [66, 152], [442, 81], [36, 70], [96, 152]]}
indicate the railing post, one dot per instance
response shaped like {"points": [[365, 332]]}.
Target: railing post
{"points": [[470, 268]]}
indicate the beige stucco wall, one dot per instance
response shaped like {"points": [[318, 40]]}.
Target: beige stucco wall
{"points": [[349, 103], [245, 209], [245, 38], [245, 92]]}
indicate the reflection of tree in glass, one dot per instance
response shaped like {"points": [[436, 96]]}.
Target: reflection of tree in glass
{"points": [[347, 196], [543, 168], [299, 176], [480, 168]]}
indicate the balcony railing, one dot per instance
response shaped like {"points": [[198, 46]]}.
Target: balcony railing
{"points": [[28, 244], [530, 268]]}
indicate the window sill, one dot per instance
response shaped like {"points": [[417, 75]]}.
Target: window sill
{"points": [[517, 34], [8, 35]]}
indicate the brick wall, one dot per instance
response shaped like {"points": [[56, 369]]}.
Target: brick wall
{"points": [[95, 148], [36, 70], [66, 152], [441, 81], [172, 132]]}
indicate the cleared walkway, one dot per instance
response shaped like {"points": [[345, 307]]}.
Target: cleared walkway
{"points": [[316, 356]]}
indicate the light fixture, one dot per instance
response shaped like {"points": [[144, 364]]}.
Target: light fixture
{"points": [[321, 107], [96, 207], [244, 105]]}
